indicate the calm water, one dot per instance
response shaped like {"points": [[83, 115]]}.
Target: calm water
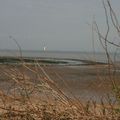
{"points": [[100, 57]]}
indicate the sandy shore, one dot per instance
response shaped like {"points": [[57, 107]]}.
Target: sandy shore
{"points": [[85, 82]]}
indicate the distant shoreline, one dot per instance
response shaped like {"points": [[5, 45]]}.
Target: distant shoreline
{"points": [[71, 56], [51, 61]]}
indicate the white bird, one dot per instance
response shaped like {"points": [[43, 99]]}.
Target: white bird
{"points": [[44, 48]]}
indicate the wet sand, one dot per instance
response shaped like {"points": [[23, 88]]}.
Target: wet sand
{"points": [[87, 82]]}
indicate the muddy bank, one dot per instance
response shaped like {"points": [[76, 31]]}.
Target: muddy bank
{"points": [[85, 82]]}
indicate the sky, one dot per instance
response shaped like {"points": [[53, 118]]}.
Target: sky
{"points": [[62, 25]]}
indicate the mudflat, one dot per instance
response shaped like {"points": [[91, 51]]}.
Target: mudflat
{"points": [[85, 82]]}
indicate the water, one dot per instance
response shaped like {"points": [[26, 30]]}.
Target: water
{"points": [[99, 57]]}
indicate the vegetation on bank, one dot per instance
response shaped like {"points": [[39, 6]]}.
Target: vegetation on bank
{"points": [[10, 60], [52, 61]]}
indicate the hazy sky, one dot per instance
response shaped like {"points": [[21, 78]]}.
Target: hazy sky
{"points": [[57, 24]]}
